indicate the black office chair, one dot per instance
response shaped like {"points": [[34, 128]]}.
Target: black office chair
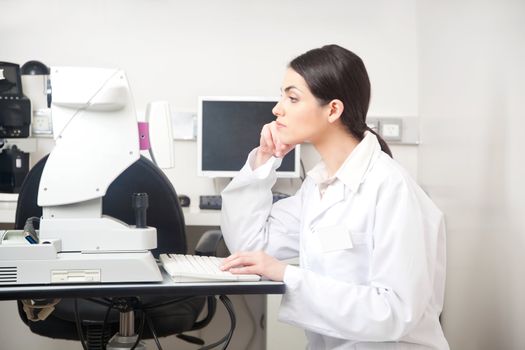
{"points": [[99, 322]]}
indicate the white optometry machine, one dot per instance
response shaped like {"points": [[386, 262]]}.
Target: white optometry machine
{"points": [[96, 133]]}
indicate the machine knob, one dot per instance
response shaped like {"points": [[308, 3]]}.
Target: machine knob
{"points": [[139, 202]]}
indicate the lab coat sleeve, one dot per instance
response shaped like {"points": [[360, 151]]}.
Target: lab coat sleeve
{"points": [[250, 222], [400, 287]]}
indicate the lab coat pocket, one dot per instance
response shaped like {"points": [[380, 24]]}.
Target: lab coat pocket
{"points": [[359, 238], [334, 238], [339, 237], [345, 254]]}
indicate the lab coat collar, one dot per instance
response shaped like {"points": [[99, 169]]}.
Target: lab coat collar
{"points": [[355, 167]]}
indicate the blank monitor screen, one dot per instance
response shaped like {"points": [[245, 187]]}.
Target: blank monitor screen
{"points": [[229, 128]]}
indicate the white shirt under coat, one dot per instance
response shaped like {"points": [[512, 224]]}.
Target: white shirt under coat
{"points": [[371, 246]]}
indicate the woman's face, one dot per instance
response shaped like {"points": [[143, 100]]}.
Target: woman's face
{"points": [[299, 116]]}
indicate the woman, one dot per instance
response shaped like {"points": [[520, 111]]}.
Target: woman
{"points": [[371, 244]]}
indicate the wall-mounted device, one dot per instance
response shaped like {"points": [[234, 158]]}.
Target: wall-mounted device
{"points": [[15, 108], [389, 128], [229, 128], [37, 87]]}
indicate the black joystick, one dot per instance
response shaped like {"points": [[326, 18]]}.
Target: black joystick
{"points": [[139, 201]]}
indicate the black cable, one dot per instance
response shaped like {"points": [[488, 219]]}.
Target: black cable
{"points": [[79, 327], [152, 329], [212, 306], [165, 303], [104, 324], [227, 338], [100, 302], [229, 306]]}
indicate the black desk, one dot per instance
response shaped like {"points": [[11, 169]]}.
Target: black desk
{"points": [[166, 288]]}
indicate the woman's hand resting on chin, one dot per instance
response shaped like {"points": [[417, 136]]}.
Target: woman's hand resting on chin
{"points": [[269, 145]]}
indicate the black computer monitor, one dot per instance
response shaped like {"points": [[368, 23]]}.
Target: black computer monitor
{"points": [[229, 128]]}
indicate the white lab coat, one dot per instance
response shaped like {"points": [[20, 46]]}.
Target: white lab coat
{"points": [[371, 251]]}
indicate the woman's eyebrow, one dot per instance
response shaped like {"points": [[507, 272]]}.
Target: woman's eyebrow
{"points": [[288, 88]]}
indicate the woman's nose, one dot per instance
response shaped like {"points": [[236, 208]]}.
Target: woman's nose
{"points": [[277, 110]]}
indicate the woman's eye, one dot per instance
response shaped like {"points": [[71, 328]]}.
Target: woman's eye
{"points": [[293, 99]]}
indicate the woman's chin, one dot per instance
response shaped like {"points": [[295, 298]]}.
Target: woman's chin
{"points": [[287, 140], [293, 141]]}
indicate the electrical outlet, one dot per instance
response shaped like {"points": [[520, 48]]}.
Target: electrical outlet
{"points": [[391, 129], [41, 123]]}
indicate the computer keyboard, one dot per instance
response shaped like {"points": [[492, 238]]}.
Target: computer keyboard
{"points": [[195, 268]]}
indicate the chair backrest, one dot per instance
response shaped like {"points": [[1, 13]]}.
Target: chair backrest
{"points": [[164, 213]]}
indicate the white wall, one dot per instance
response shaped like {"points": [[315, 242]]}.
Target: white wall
{"points": [[178, 50], [472, 88]]}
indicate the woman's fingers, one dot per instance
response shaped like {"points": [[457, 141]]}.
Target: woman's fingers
{"points": [[270, 145], [252, 269], [236, 260], [275, 139], [267, 140], [280, 149], [258, 263]]}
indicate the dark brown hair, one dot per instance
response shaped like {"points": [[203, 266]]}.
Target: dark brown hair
{"points": [[333, 72]]}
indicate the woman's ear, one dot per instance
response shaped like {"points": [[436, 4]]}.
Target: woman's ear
{"points": [[335, 110]]}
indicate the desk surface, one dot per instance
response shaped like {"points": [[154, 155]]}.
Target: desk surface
{"points": [[166, 288]]}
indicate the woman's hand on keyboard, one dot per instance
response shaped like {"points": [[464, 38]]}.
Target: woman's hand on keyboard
{"points": [[258, 263]]}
